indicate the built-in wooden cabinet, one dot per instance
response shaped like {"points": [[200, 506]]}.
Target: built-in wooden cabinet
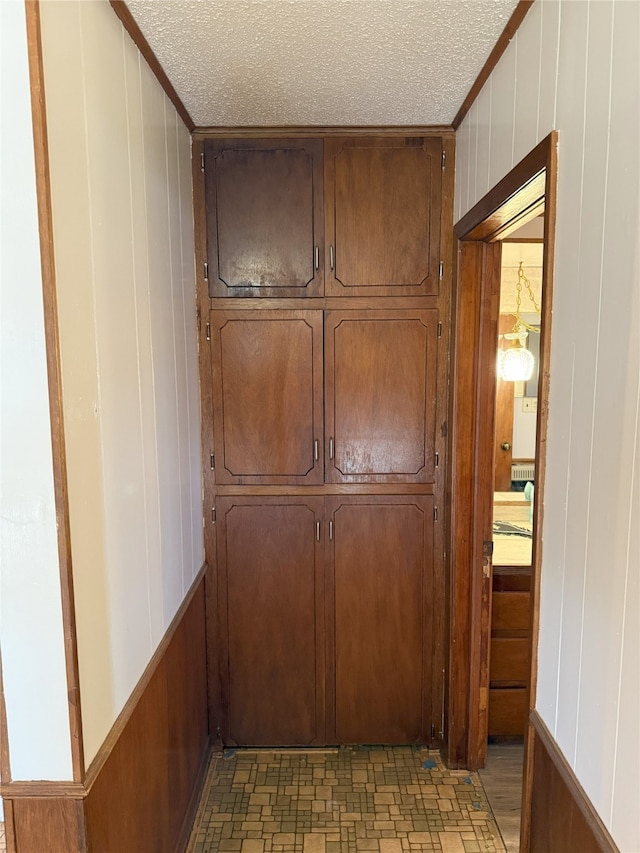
{"points": [[324, 425], [264, 217], [271, 588], [268, 398], [380, 615], [380, 369], [382, 221]]}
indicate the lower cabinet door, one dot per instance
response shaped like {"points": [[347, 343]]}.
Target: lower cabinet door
{"points": [[271, 615], [380, 618]]}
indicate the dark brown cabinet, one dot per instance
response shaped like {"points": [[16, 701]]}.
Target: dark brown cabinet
{"points": [[324, 421], [267, 369], [380, 396], [271, 589], [381, 555], [359, 565], [382, 221], [264, 217]]}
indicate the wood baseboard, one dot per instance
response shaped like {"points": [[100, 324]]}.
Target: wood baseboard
{"points": [[143, 787], [562, 816]]}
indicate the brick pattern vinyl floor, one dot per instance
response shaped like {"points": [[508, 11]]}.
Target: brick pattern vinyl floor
{"points": [[360, 800]]}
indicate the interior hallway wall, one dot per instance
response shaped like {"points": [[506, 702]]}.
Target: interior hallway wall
{"points": [[31, 632], [120, 161], [573, 66]]}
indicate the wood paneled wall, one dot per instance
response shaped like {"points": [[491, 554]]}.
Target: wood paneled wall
{"points": [[120, 162], [562, 818], [572, 66], [142, 789]]}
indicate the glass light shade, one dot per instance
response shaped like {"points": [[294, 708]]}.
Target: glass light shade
{"points": [[516, 364]]}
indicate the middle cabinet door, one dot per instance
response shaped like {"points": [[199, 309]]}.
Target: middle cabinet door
{"points": [[267, 389], [380, 378]]}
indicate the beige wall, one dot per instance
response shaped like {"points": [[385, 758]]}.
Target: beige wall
{"points": [[573, 66], [123, 234], [31, 630]]}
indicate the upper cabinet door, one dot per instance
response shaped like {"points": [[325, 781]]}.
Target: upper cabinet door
{"points": [[382, 216], [267, 394], [380, 369], [264, 217]]}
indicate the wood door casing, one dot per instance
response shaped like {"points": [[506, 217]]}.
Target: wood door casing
{"points": [[380, 618], [267, 378], [264, 217], [380, 381], [271, 590], [382, 216]]}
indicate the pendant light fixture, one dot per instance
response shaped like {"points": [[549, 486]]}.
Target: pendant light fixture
{"points": [[517, 363]]}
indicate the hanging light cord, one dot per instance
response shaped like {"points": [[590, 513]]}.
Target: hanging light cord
{"points": [[520, 324]]}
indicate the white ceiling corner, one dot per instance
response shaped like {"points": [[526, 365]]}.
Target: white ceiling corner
{"points": [[321, 62]]}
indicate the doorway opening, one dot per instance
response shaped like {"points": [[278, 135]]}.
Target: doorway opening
{"points": [[526, 194]]}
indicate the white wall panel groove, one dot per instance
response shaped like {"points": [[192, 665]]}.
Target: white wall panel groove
{"points": [[126, 292], [581, 62]]}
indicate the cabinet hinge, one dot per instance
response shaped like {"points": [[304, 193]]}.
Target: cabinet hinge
{"points": [[435, 513], [441, 270], [444, 159], [213, 462], [437, 460], [213, 514], [202, 161], [207, 329], [433, 731], [206, 271], [439, 330]]}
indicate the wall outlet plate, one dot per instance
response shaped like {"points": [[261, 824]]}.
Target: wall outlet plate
{"points": [[529, 404]]}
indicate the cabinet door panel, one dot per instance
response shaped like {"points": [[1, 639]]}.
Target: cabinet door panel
{"points": [[264, 217], [267, 374], [382, 556], [380, 396], [383, 216], [272, 616]]}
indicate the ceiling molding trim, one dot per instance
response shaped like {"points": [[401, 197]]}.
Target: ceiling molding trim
{"points": [[284, 131], [128, 21], [518, 16]]}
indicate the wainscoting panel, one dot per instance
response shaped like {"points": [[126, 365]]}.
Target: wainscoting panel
{"points": [[141, 797], [141, 791], [562, 817]]}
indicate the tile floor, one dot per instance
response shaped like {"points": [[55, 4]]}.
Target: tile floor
{"points": [[374, 800]]}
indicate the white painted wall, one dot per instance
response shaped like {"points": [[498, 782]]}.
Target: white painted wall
{"points": [[123, 226], [573, 66], [31, 634]]}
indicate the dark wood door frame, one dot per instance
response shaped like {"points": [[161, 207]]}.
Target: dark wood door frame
{"points": [[528, 190]]}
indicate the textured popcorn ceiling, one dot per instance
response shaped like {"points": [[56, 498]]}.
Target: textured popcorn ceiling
{"points": [[322, 62]]}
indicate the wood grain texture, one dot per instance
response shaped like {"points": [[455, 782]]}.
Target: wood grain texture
{"points": [[55, 825], [264, 217], [381, 552], [54, 374], [150, 774], [517, 17], [562, 816], [327, 303], [382, 216], [509, 662], [267, 396], [272, 620], [507, 711], [5, 763], [517, 198], [511, 611], [380, 369], [316, 131], [130, 25]]}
